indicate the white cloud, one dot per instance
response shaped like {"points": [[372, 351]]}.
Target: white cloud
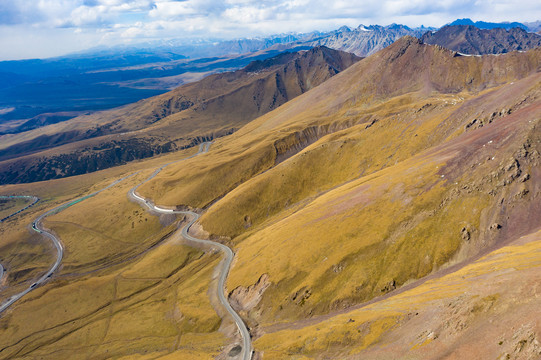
{"points": [[79, 22], [248, 14], [172, 9]]}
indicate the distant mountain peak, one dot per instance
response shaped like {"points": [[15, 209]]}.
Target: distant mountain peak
{"points": [[489, 25], [469, 39], [465, 21], [344, 29], [364, 28], [286, 57], [397, 26], [363, 40]]}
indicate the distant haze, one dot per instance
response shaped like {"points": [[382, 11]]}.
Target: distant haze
{"points": [[45, 28]]}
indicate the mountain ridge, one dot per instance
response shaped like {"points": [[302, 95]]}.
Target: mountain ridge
{"points": [[364, 40], [469, 39], [140, 71], [489, 25], [149, 127]]}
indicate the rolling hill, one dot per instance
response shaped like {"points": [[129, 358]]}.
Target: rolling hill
{"points": [[209, 108]]}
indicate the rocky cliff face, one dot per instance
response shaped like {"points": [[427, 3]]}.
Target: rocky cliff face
{"points": [[469, 39]]}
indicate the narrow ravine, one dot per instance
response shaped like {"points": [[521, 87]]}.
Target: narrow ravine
{"points": [[246, 352]]}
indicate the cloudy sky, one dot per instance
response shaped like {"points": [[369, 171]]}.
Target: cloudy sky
{"points": [[42, 28]]}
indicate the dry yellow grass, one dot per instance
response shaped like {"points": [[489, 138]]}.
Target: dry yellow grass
{"points": [[116, 294], [353, 241], [334, 160], [106, 227], [364, 238], [369, 206], [370, 87], [357, 151], [396, 324], [9, 206], [109, 316], [25, 254]]}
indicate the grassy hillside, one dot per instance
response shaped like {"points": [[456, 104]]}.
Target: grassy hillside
{"points": [[9, 206], [213, 107], [444, 317], [373, 234], [341, 198], [382, 214], [126, 286], [372, 103]]}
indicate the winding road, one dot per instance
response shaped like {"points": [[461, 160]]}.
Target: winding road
{"points": [[38, 227], [246, 353], [33, 198], [9, 197]]}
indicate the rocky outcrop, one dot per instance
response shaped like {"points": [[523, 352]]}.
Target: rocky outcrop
{"points": [[295, 142], [246, 298]]}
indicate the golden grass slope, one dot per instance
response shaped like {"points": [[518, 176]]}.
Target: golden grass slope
{"points": [[24, 253], [342, 198], [122, 228], [125, 288], [355, 152], [348, 194], [376, 233], [486, 310], [359, 95], [115, 313], [10, 206]]}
